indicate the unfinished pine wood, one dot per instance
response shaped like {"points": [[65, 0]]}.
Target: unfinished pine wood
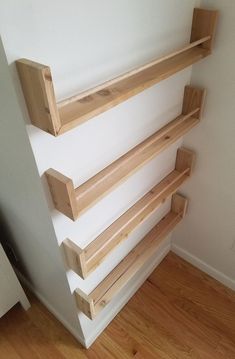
{"points": [[85, 261], [37, 86], [132, 263], [58, 118], [63, 193], [112, 95], [204, 24], [79, 199], [75, 257]]}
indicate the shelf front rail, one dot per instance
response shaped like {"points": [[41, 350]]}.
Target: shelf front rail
{"points": [[57, 118], [93, 303], [73, 201], [85, 261]]}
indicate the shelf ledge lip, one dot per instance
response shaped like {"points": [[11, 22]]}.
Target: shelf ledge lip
{"points": [[73, 201], [136, 70], [58, 117], [85, 261], [91, 253], [81, 110], [181, 117], [91, 304]]}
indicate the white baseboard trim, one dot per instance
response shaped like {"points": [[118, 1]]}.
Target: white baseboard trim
{"points": [[129, 292], [222, 278], [51, 309]]}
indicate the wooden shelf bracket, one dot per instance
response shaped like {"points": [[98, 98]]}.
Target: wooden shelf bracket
{"points": [[57, 118], [85, 261], [100, 297]]}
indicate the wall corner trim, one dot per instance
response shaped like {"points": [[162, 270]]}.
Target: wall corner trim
{"points": [[203, 266]]}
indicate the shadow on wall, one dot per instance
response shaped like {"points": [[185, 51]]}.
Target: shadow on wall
{"points": [[7, 241]]}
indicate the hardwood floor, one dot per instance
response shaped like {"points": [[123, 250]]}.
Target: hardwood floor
{"points": [[179, 312]]}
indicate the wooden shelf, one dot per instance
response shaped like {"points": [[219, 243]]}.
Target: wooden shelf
{"points": [[85, 261], [57, 118], [73, 202], [93, 303]]}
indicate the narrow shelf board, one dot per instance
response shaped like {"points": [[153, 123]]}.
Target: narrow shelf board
{"points": [[101, 296], [75, 201], [85, 261], [76, 112], [57, 118]]}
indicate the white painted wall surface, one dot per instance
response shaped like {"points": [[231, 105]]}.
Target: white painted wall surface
{"points": [[23, 206], [207, 235], [84, 43]]}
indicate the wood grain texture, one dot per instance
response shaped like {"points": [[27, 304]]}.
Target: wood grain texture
{"points": [[63, 193], [78, 200], [119, 277], [76, 112], [120, 230], [135, 71], [194, 97], [74, 257], [37, 85], [179, 313], [85, 261], [185, 159], [117, 172], [204, 24], [58, 118]]}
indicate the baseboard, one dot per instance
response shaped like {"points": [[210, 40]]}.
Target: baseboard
{"points": [[129, 292], [51, 308], [126, 296], [222, 278]]}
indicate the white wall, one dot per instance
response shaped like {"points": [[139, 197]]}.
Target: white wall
{"points": [[25, 210], [208, 232], [87, 42]]}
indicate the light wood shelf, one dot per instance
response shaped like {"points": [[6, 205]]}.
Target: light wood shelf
{"points": [[93, 303], [57, 118], [85, 261], [74, 201]]}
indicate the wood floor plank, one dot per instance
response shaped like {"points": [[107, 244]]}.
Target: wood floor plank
{"points": [[179, 313], [190, 290], [7, 350], [64, 342], [110, 347], [126, 340], [156, 338], [225, 349], [187, 273], [189, 335], [26, 339]]}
